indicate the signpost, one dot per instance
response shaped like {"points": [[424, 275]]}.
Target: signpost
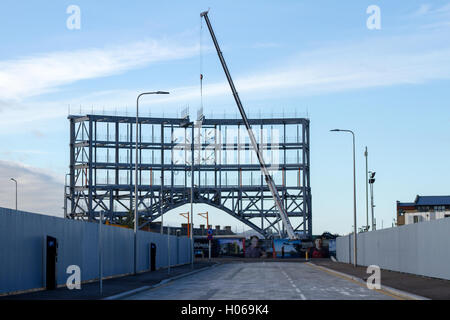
{"points": [[210, 234], [210, 237], [186, 215]]}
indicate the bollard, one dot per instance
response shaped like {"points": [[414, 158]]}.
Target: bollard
{"points": [[306, 254]]}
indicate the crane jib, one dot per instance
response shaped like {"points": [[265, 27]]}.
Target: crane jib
{"points": [[270, 183]]}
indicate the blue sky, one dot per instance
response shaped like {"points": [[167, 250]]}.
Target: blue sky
{"points": [[391, 86]]}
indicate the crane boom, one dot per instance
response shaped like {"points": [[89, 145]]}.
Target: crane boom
{"points": [[268, 178]]}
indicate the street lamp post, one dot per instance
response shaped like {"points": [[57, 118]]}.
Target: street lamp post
{"points": [[354, 195], [100, 252], [161, 201], [136, 175], [168, 248], [191, 226], [15, 181], [366, 154], [188, 229], [371, 182]]}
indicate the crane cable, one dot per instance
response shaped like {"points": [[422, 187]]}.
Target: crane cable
{"points": [[201, 63]]}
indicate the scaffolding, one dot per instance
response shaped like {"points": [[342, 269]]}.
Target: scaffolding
{"points": [[214, 156]]}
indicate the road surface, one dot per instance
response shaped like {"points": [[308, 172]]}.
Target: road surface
{"points": [[261, 280]]}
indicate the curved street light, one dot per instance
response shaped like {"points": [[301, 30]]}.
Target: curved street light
{"points": [[354, 194], [136, 174]]}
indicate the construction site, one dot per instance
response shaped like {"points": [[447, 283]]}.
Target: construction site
{"points": [[126, 172], [217, 167], [256, 170]]}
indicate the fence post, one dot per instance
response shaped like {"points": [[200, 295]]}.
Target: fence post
{"points": [[168, 249]]}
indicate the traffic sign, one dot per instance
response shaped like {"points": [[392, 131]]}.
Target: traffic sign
{"points": [[210, 234]]}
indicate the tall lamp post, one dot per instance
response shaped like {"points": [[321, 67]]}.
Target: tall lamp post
{"points": [[136, 175], [192, 125], [15, 181], [366, 154], [371, 182], [354, 195]]}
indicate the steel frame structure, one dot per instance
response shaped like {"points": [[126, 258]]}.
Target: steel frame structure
{"points": [[226, 174]]}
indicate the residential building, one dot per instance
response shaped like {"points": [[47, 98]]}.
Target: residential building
{"points": [[424, 208]]}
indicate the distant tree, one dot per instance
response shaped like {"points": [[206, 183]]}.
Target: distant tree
{"points": [[128, 220]]}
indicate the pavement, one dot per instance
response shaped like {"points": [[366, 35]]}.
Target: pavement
{"points": [[111, 287], [248, 260], [254, 279], [268, 280], [431, 288]]}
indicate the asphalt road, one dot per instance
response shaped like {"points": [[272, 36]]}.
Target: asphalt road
{"points": [[262, 280]]}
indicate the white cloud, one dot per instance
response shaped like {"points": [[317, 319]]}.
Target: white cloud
{"points": [[345, 66], [35, 75], [445, 9], [38, 190], [423, 10], [264, 45], [431, 11], [434, 17], [378, 62]]}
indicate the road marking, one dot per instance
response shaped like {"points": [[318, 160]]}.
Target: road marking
{"points": [[302, 296], [331, 272], [163, 283]]}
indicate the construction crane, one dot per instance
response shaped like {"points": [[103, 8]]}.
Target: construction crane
{"points": [[268, 178]]}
